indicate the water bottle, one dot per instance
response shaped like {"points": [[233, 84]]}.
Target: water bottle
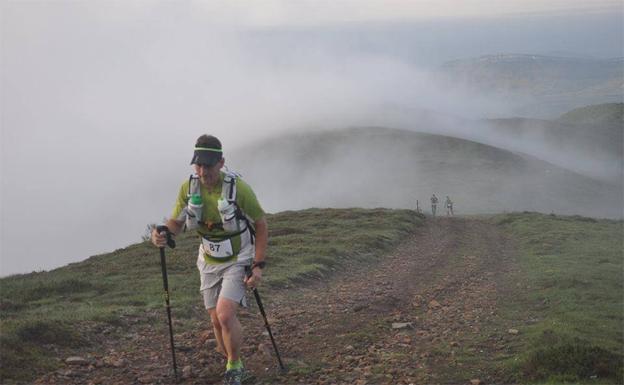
{"points": [[227, 210], [194, 212]]}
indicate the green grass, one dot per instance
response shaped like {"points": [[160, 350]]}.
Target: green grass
{"points": [[571, 281], [44, 311], [313, 243], [568, 307], [609, 113]]}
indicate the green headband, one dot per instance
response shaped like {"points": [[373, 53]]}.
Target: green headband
{"points": [[208, 149]]}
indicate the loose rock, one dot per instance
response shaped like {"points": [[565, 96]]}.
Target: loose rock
{"points": [[264, 350], [120, 363], [79, 361], [187, 372], [434, 304], [146, 379], [402, 325]]}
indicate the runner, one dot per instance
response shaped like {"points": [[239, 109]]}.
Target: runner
{"points": [[224, 211], [434, 204], [449, 206]]}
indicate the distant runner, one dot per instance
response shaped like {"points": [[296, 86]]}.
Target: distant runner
{"points": [[224, 211], [449, 206], [434, 204]]}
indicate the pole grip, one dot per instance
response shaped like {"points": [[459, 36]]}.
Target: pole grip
{"points": [[248, 271], [170, 241]]}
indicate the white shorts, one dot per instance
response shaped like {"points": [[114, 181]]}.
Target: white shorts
{"points": [[224, 280], [226, 283]]}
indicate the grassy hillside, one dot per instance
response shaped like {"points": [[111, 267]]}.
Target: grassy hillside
{"points": [[565, 300], [594, 133], [610, 114], [50, 312], [584, 135], [569, 303]]}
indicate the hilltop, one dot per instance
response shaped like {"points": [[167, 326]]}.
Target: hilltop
{"points": [[388, 297], [597, 129], [485, 166], [593, 133], [383, 167], [609, 115]]}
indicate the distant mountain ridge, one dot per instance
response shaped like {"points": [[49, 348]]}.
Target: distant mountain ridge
{"points": [[556, 84], [520, 57], [536, 73]]}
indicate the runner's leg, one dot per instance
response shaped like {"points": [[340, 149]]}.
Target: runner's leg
{"points": [[230, 327], [216, 326]]}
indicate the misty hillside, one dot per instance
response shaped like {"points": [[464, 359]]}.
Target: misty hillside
{"points": [[601, 141], [610, 115], [594, 131], [548, 85], [383, 167]]}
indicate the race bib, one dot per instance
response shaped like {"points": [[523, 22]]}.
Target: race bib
{"points": [[221, 249]]}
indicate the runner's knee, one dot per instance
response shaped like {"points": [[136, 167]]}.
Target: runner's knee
{"points": [[226, 314], [214, 318], [226, 319]]}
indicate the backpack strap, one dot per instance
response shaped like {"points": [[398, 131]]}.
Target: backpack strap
{"points": [[252, 229], [228, 192], [228, 189]]}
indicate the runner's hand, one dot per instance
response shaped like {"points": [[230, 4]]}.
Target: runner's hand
{"points": [[254, 280], [159, 239]]}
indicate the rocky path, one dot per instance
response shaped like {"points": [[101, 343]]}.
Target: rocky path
{"points": [[427, 315]]}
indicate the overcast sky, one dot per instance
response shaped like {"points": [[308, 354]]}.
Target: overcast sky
{"points": [[101, 101], [313, 13]]}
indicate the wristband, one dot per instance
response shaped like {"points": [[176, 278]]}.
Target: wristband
{"points": [[260, 264]]}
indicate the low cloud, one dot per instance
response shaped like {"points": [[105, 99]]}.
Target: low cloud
{"points": [[102, 104]]}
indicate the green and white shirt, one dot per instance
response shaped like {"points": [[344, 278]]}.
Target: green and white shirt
{"points": [[246, 201]]}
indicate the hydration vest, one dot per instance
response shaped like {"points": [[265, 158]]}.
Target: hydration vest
{"points": [[228, 193]]}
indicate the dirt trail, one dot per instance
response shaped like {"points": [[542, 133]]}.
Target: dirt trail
{"points": [[427, 315]]}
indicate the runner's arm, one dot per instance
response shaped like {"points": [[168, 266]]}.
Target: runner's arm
{"points": [[262, 239], [174, 226]]}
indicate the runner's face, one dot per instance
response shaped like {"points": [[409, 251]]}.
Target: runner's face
{"points": [[208, 175]]}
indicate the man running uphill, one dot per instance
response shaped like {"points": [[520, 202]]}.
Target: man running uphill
{"points": [[449, 206], [434, 205], [224, 211]]}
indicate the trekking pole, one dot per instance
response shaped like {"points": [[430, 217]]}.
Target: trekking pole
{"points": [[163, 265], [266, 322]]}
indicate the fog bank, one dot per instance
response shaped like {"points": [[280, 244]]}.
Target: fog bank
{"points": [[102, 102]]}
